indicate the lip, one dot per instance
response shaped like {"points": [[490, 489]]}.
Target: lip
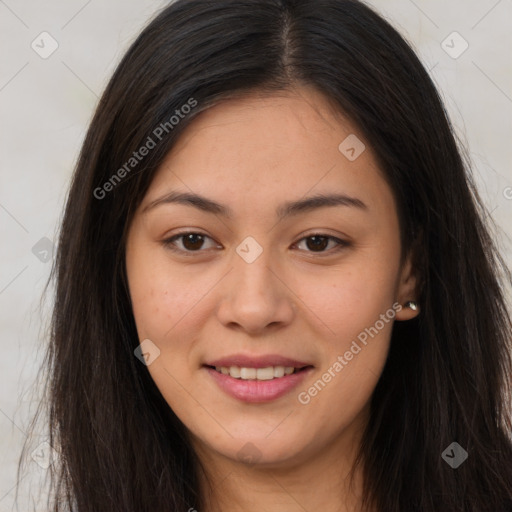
{"points": [[257, 361], [257, 391]]}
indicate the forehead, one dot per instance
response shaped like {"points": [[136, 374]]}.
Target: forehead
{"points": [[254, 150]]}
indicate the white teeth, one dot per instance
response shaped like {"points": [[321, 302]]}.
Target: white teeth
{"points": [[248, 373], [278, 371], [268, 373], [265, 373], [234, 371]]}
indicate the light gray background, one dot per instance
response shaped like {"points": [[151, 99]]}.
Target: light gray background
{"points": [[46, 104]]}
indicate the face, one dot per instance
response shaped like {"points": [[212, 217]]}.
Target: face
{"points": [[258, 277]]}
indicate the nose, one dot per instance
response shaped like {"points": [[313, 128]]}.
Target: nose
{"points": [[255, 297]]}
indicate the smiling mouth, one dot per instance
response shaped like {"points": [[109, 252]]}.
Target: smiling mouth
{"points": [[268, 373]]}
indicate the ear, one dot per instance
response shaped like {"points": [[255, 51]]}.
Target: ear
{"points": [[407, 290]]}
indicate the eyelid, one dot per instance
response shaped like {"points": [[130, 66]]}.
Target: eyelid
{"points": [[341, 244]]}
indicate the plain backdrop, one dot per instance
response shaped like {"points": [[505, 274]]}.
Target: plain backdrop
{"points": [[46, 103]]}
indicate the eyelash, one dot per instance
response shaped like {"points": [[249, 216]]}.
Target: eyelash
{"points": [[169, 243]]}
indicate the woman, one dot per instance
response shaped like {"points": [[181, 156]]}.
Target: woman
{"points": [[274, 287]]}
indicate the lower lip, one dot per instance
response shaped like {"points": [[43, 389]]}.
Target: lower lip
{"points": [[258, 390]]}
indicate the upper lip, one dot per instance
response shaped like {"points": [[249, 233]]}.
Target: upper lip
{"points": [[263, 361]]}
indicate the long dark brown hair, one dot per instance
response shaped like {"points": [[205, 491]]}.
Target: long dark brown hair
{"points": [[447, 376]]}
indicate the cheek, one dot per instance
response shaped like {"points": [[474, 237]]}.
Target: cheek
{"points": [[161, 294], [164, 303], [344, 300], [353, 309]]}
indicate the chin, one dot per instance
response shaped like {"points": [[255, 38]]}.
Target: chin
{"points": [[260, 451]]}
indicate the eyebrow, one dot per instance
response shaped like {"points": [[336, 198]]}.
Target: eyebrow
{"points": [[287, 209]]}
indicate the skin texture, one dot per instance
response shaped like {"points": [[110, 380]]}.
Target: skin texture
{"points": [[252, 154]]}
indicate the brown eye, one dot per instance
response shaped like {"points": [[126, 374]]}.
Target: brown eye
{"points": [[191, 242], [195, 242], [318, 243]]}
